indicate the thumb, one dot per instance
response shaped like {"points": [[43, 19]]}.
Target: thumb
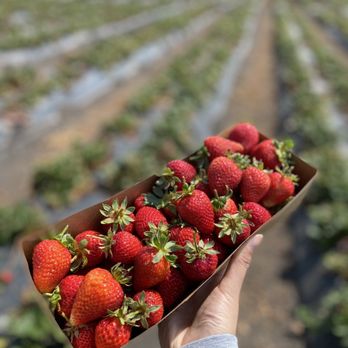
{"points": [[236, 271]]}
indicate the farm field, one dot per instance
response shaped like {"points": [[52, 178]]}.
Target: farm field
{"points": [[146, 83]]}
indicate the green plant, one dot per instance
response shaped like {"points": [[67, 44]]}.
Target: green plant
{"points": [[91, 154]]}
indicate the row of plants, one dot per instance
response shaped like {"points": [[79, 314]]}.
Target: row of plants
{"points": [[189, 80], [22, 87], [327, 203], [40, 21]]}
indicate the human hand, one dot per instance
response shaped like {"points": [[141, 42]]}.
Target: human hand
{"points": [[218, 314]]}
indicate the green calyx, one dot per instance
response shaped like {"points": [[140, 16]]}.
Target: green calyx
{"points": [[231, 225], [118, 215], [287, 171], [199, 250], [187, 190], [283, 151], [242, 161], [73, 331], [122, 274], [158, 238], [219, 202], [126, 314], [54, 298], [143, 310], [201, 158], [66, 239]]}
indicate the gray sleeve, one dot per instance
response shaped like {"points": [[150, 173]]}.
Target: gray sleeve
{"points": [[215, 341]]}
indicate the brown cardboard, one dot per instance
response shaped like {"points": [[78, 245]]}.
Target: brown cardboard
{"points": [[89, 219]]}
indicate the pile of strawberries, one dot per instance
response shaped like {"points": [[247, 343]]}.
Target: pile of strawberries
{"points": [[144, 259]]}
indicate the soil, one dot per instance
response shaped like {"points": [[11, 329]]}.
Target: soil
{"points": [[268, 299]]}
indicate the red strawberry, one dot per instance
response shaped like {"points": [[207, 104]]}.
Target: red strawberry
{"points": [[149, 304], [245, 134], [51, 262], [89, 249], [84, 337], [218, 146], [223, 205], [146, 215], [182, 235], [232, 229], [200, 261], [173, 288], [282, 187], [258, 214], [273, 153], [222, 249], [223, 175], [63, 296], [112, 333], [183, 170], [254, 185], [98, 293], [118, 216], [139, 202], [195, 208]]}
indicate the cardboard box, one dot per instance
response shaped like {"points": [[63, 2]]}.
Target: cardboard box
{"points": [[90, 217]]}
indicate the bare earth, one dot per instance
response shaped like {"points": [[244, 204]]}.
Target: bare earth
{"points": [[268, 300]]}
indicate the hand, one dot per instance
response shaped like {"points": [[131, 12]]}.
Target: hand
{"points": [[218, 314]]}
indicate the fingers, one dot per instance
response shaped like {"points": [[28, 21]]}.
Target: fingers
{"points": [[234, 277]]}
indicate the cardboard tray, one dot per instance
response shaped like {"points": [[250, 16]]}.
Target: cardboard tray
{"points": [[89, 219]]}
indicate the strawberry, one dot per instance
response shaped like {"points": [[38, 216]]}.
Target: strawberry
{"points": [[63, 296], [182, 170], [51, 262], [149, 305], [273, 153], [245, 134], [89, 253], [194, 207], [223, 205], [173, 288], [183, 234], [258, 214], [232, 229], [223, 175], [152, 264], [282, 187], [200, 260], [83, 337], [218, 146], [98, 293], [222, 249], [122, 247], [146, 215], [118, 216], [254, 185], [139, 202]]}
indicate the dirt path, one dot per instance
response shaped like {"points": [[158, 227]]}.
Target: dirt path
{"points": [[268, 300]]}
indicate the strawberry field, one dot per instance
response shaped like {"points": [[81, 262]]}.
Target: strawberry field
{"points": [[96, 96]]}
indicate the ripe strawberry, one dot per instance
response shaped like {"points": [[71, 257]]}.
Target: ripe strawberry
{"points": [[118, 216], [139, 202], [98, 293], [173, 288], [223, 175], [111, 333], [232, 229], [63, 296], [200, 261], [84, 337], [149, 305], [194, 207], [222, 249], [282, 187], [254, 185], [51, 262], [181, 235], [258, 214], [182, 170], [89, 253], [245, 134], [122, 247], [223, 205], [146, 215], [273, 153], [218, 146]]}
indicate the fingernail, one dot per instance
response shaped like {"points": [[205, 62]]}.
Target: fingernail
{"points": [[255, 241]]}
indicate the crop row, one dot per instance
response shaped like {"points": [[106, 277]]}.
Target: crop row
{"points": [[328, 201], [30, 23], [22, 87]]}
